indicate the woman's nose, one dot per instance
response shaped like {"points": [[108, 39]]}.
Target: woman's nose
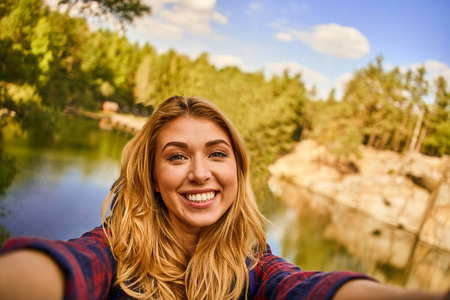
{"points": [[199, 171]]}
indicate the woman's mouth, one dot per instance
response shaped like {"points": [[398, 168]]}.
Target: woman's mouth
{"points": [[200, 197]]}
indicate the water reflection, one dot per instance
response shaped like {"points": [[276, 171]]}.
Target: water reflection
{"points": [[318, 233]]}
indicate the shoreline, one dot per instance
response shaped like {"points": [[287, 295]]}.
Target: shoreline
{"points": [[127, 123]]}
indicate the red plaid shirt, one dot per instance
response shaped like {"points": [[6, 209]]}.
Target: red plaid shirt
{"points": [[90, 267]]}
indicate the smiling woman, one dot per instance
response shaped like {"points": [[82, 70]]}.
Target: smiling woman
{"points": [[195, 172], [189, 149], [183, 224]]}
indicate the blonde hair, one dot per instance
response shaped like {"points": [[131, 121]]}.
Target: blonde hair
{"points": [[151, 261]]}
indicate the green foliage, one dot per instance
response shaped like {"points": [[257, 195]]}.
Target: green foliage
{"points": [[437, 141], [20, 20], [5, 7], [7, 170], [16, 65], [4, 234], [385, 110], [38, 120]]}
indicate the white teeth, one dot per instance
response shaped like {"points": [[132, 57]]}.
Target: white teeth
{"points": [[200, 197]]}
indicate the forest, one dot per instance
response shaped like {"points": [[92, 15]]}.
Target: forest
{"points": [[50, 61]]}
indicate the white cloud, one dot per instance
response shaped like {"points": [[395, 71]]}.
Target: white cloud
{"points": [[172, 18], [221, 61], [332, 39], [310, 75], [201, 5], [283, 36], [219, 18], [436, 68], [336, 40], [161, 29], [255, 6], [217, 37]]}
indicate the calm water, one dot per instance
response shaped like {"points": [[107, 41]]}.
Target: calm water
{"points": [[60, 187]]}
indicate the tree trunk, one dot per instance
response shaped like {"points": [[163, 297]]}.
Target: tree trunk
{"points": [[384, 140], [373, 136], [412, 145], [399, 135], [305, 130], [423, 134]]}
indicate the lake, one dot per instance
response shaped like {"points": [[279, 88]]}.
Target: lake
{"points": [[60, 186]]}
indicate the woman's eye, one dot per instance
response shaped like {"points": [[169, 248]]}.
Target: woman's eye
{"points": [[176, 157], [218, 154]]}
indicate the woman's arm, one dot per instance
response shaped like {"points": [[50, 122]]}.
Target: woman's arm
{"points": [[274, 278], [30, 274], [86, 263], [369, 290]]}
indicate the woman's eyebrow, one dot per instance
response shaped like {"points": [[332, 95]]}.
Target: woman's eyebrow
{"points": [[175, 144], [185, 145], [215, 142]]}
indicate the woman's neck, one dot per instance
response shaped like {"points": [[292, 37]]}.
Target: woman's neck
{"points": [[189, 242], [188, 238]]}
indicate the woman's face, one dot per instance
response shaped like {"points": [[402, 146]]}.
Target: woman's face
{"points": [[195, 172]]}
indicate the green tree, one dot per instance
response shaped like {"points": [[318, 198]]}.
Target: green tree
{"points": [[17, 20], [417, 87], [333, 125], [437, 139], [383, 105], [144, 90]]}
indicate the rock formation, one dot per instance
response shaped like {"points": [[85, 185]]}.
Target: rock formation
{"points": [[384, 207]]}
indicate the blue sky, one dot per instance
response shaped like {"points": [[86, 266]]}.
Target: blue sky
{"points": [[324, 40]]}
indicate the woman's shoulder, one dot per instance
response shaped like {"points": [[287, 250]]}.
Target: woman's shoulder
{"points": [[272, 263]]}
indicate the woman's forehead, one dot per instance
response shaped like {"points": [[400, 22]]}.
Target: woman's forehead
{"points": [[192, 129]]}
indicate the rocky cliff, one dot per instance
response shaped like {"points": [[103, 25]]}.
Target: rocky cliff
{"points": [[410, 191], [385, 208]]}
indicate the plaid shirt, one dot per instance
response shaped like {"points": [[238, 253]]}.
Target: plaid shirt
{"points": [[89, 267]]}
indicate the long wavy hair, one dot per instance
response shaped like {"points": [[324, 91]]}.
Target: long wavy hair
{"points": [[151, 261]]}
